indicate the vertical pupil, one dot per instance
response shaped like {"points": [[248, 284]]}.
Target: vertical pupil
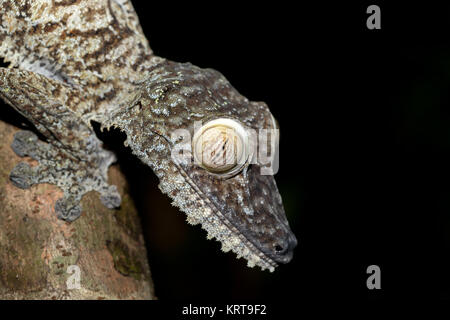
{"points": [[218, 149], [221, 146]]}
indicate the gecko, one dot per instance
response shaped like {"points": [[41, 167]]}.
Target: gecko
{"points": [[73, 63]]}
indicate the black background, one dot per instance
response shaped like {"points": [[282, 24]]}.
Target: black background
{"points": [[365, 139]]}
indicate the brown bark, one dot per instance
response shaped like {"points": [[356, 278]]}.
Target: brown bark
{"points": [[36, 249]]}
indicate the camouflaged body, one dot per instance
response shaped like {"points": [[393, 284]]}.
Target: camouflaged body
{"points": [[75, 61]]}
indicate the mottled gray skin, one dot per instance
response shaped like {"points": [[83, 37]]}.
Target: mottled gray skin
{"points": [[73, 61]]}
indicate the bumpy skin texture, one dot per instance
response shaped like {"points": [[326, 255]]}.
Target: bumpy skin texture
{"points": [[73, 61]]}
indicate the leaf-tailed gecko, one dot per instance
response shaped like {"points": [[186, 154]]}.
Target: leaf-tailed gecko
{"points": [[72, 62]]}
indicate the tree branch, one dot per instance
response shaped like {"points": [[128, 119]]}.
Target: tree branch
{"points": [[42, 257]]}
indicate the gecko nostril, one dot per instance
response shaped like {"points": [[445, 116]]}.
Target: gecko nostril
{"points": [[280, 249]]}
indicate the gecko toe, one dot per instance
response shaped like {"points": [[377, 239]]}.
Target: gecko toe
{"points": [[67, 209], [111, 198], [22, 176], [24, 143]]}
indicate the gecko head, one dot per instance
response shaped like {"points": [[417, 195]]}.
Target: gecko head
{"points": [[215, 153]]}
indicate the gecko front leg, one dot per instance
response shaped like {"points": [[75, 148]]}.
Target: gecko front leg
{"points": [[59, 167], [72, 158]]}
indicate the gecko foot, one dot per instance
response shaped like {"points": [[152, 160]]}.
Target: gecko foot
{"points": [[75, 174]]}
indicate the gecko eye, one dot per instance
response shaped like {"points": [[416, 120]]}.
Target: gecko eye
{"points": [[221, 146]]}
